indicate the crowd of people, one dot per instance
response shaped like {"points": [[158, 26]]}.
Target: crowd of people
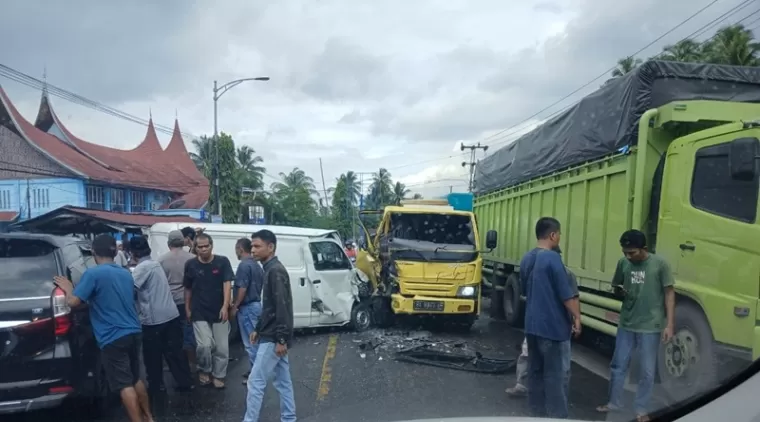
{"points": [[642, 280], [177, 309]]}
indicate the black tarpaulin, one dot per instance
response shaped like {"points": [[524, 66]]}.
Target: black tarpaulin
{"points": [[606, 120], [462, 362]]}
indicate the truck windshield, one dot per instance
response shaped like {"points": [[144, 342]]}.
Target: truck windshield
{"points": [[432, 237]]}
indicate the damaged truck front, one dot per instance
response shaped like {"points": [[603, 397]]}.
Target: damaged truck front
{"points": [[425, 260]]}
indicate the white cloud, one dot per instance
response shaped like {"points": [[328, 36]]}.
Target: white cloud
{"points": [[362, 85]]}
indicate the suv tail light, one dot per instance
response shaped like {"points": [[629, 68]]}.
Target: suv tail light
{"points": [[61, 312]]}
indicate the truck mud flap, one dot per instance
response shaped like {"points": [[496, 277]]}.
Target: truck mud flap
{"points": [[461, 362]]}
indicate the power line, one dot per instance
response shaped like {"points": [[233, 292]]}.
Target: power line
{"points": [[473, 149]]}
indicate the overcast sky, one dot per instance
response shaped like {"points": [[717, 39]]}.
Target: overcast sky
{"points": [[361, 84]]}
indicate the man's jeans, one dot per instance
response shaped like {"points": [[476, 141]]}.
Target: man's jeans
{"points": [[247, 318], [548, 377], [647, 345], [213, 352], [266, 365]]}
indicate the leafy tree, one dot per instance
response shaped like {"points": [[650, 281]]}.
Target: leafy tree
{"points": [[417, 196], [399, 193], [625, 66], [381, 190], [734, 45], [683, 51], [294, 204], [250, 167]]}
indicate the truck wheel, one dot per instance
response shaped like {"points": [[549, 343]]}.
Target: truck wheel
{"points": [[513, 306], [686, 364], [361, 317], [382, 314]]}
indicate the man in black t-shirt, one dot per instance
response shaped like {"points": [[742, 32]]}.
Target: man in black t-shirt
{"points": [[208, 279]]}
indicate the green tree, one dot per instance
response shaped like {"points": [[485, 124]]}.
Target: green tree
{"points": [[344, 197], [625, 66], [251, 169], [733, 45], [399, 193], [203, 157], [683, 51], [381, 190], [417, 196], [294, 203]]}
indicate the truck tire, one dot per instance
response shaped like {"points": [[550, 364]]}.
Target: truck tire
{"points": [[686, 365], [513, 306], [382, 314]]}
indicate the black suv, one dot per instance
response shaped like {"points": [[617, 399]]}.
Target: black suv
{"points": [[47, 351]]}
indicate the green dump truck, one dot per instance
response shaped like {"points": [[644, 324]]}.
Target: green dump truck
{"points": [[670, 149]]}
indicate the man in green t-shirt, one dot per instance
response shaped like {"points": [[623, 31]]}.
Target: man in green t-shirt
{"points": [[645, 283]]}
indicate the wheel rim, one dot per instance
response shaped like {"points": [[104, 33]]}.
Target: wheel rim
{"points": [[682, 355], [362, 318], [509, 307]]}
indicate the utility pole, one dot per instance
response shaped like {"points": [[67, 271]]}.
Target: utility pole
{"points": [[28, 201], [324, 187], [218, 92], [471, 163]]}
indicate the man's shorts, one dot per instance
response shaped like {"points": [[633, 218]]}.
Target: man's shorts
{"points": [[188, 335], [121, 361]]}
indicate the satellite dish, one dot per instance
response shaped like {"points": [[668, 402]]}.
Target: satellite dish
{"points": [[177, 204]]}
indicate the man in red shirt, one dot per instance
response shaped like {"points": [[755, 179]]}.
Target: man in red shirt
{"points": [[350, 251]]}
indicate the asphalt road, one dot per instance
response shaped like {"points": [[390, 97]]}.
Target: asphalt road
{"points": [[339, 377]]}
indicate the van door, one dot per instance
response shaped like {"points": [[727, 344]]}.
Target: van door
{"points": [[331, 275], [291, 255]]}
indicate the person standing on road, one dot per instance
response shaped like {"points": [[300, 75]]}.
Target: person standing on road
{"points": [[274, 332], [173, 263], [521, 386], [246, 306], [552, 314], [208, 280], [645, 283], [108, 290], [162, 332]]}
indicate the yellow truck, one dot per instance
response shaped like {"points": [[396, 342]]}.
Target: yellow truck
{"points": [[425, 259], [670, 149]]}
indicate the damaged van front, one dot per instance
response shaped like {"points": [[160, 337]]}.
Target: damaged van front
{"points": [[424, 260]]}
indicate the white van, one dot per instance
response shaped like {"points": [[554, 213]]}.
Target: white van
{"points": [[322, 278]]}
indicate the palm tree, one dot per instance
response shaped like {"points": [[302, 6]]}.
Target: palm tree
{"points": [[417, 196], [625, 65], [734, 45], [381, 190], [683, 51], [251, 170], [296, 180], [292, 198], [399, 193], [204, 155], [353, 187]]}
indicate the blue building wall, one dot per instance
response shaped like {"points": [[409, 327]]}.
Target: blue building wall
{"points": [[45, 195]]}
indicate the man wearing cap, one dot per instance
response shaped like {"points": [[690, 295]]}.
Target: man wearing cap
{"points": [[173, 263], [162, 333]]}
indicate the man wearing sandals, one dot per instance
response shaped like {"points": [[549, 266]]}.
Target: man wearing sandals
{"points": [[645, 283], [208, 281]]}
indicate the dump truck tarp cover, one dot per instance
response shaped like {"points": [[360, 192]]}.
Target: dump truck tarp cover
{"points": [[606, 120]]}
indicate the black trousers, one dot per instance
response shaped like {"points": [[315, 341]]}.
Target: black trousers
{"points": [[165, 341]]}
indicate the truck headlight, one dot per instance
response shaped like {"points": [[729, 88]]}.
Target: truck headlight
{"points": [[467, 291]]}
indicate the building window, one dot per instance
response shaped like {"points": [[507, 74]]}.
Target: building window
{"points": [[117, 200], [713, 189], [95, 198], [138, 201], [5, 199], [40, 198]]}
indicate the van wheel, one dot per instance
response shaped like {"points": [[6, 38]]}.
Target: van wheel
{"points": [[361, 317], [686, 365], [513, 306]]}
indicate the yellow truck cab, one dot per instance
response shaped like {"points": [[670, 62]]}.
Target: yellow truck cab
{"points": [[425, 259]]}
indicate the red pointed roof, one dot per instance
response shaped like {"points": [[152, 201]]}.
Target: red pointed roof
{"points": [[147, 165]]}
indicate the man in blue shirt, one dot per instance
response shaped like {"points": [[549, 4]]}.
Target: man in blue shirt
{"points": [[552, 314], [246, 305], [108, 290]]}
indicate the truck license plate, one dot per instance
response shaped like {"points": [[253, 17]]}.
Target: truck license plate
{"points": [[428, 305]]}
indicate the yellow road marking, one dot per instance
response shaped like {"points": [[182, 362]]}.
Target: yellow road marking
{"points": [[326, 377]]}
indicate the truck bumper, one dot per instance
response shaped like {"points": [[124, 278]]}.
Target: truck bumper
{"points": [[451, 305]]}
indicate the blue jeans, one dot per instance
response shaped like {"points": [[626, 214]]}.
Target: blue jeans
{"points": [[548, 377], [625, 342], [266, 365], [247, 318]]}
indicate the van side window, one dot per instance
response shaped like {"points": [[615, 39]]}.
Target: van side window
{"points": [[714, 191], [328, 256]]}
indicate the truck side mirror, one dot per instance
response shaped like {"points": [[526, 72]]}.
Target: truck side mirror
{"points": [[491, 239], [742, 156]]}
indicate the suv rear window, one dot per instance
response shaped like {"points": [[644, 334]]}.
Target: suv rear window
{"points": [[28, 267]]}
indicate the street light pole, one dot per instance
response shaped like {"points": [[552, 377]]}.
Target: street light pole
{"points": [[218, 92]]}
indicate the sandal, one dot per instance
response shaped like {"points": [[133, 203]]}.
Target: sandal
{"points": [[218, 384], [204, 379]]}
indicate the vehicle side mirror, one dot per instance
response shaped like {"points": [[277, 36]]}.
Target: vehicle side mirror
{"points": [[491, 240], [742, 157]]}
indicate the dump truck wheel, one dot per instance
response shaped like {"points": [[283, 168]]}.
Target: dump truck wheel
{"points": [[361, 316], [513, 306], [382, 314], [686, 364]]}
